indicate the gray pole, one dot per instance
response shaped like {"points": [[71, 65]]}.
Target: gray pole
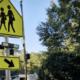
{"points": [[7, 54], [25, 61]]}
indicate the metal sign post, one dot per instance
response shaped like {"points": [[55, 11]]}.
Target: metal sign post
{"points": [[25, 61], [7, 53]]}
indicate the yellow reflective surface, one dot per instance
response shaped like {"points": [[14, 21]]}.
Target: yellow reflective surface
{"points": [[11, 19], [5, 65]]}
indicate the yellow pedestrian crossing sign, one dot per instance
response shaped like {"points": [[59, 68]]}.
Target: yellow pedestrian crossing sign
{"points": [[10, 20], [9, 63]]}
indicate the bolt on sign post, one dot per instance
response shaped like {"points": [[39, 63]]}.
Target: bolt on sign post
{"points": [[10, 20]]}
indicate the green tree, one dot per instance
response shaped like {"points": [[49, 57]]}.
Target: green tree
{"points": [[61, 34], [60, 66], [50, 32], [35, 62], [1, 52], [63, 23], [69, 13]]}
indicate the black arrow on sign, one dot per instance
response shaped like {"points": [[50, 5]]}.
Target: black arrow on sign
{"points": [[10, 63]]}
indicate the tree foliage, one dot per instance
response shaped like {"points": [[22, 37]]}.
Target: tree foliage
{"points": [[35, 62], [62, 25], [61, 34], [60, 66]]}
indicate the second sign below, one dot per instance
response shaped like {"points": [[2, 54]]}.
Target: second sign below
{"points": [[9, 63]]}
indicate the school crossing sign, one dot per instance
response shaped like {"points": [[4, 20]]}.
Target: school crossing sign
{"points": [[10, 20]]}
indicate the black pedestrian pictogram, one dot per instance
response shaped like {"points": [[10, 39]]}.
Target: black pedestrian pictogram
{"points": [[3, 18], [11, 18]]}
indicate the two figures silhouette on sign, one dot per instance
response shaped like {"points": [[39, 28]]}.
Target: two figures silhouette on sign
{"points": [[11, 18]]}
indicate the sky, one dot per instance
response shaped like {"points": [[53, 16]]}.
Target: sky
{"points": [[34, 12]]}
